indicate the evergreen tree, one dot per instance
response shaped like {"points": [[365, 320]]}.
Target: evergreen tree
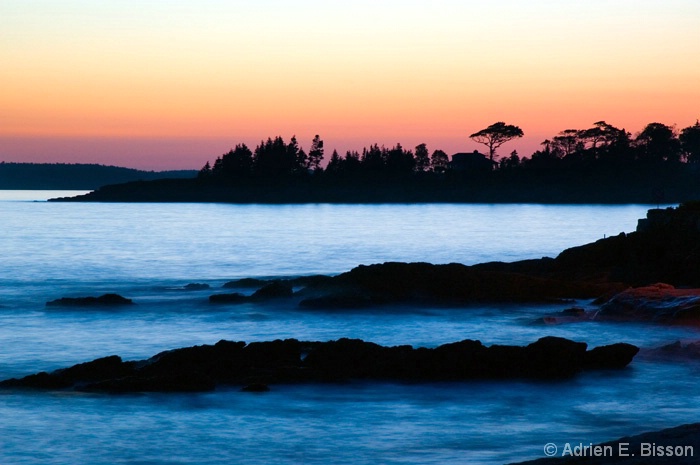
{"points": [[315, 154], [399, 161], [334, 164], [205, 172], [238, 162]]}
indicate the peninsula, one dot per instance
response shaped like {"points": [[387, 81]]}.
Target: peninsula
{"points": [[601, 164]]}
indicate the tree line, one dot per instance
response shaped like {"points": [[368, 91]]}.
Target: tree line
{"points": [[600, 146]]}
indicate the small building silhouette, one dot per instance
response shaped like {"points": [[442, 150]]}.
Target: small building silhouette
{"points": [[472, 162]]}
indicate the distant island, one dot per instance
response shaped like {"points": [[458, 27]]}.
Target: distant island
{"points": [[601, 164], [65, 176]]}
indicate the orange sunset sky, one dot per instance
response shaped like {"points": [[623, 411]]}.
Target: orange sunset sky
{"points": [[171, 84]]}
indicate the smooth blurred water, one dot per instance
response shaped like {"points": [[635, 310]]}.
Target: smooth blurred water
{"points": [[147, 252]]}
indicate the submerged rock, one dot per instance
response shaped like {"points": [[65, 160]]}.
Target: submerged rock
{"points": [[256, 387], [103, 300], [196, 287], [245, 283], [258, 364], [569, 315], [273, 290], [339, 300], [232, 298], [677, 351]]}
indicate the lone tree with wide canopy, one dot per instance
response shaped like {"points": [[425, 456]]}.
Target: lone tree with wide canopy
{"points": [[496, 135]]}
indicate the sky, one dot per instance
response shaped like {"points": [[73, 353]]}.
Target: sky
{"points": [[171, 84]]}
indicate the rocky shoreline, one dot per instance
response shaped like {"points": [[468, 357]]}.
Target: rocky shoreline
{"points": [[651, 275], [257, 365]]}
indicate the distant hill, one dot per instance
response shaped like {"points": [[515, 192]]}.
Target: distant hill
{"points": [[76, 176]]}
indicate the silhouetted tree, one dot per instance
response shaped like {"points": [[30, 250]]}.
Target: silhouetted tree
{"points": [[297, 154], [547, 144], [205, 172], [658, 142], [274, 158], [511, 162], [334, 164], [422, 158], [238, 162], [439, 161], [399, 161], [352, 163], [315, 153], [594, 135], [496, 135], [373, 159], [690, 142], [568, 142]]}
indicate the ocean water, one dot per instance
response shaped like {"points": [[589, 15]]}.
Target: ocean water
{"points": [[148, 252]]}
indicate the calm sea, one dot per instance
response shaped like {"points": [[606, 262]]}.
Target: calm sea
{"points": [[148, 252]]}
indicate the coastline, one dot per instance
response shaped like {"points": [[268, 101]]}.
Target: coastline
{"points": [[618, 242], [595, 188]]}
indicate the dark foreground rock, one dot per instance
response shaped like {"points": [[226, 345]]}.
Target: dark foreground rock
{"points": [[101, 301], [677, 446], [256, 365]]}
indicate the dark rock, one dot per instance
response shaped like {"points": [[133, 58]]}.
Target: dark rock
{"points": [[41, 380], [614, 356], [222, 362], [245, 283], [202, 368], [99, 369], [314, 280], [554, 357], [424, 283], [196, 287], [103, 300], [665, 248], [234, 298], [256, 387], [189, 382], [273, 290], [340, 300]]}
